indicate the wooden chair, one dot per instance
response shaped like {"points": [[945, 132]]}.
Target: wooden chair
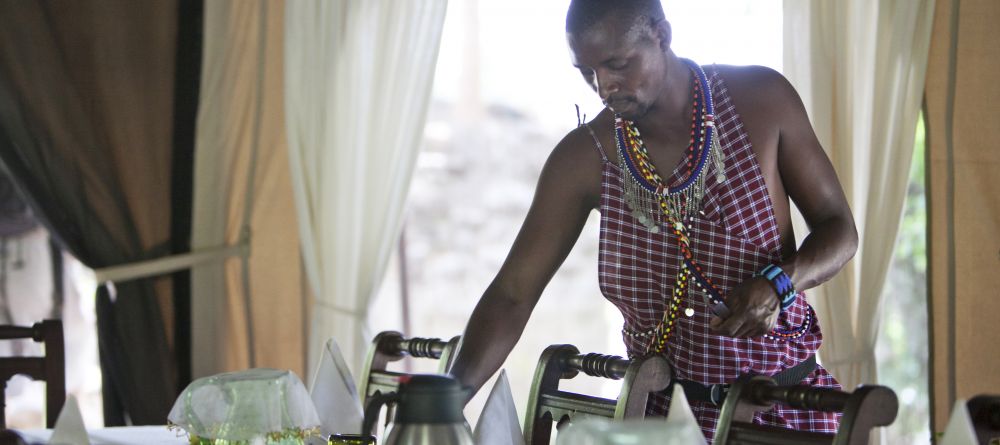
{"points": [[51, 368], [391, 346], [984, 410], [867, 407], [547, 404]]}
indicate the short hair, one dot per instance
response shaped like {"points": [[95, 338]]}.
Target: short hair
{"points": [[583, 14]]}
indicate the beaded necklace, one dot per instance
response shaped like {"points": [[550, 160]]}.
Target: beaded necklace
{"points": [[650, 198], [655, 204]]}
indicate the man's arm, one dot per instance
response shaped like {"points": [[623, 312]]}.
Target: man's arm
{"points": [[808, 178], [812, 184], [563, 199]]}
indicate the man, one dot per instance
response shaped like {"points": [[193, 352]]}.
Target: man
{"points": [[692, 169]]}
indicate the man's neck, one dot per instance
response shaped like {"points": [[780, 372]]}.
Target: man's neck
{"points": [[674, 103]]}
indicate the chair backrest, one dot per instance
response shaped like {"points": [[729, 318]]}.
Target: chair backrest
{"points": [[984, 410], [867, 407], [51, 368], [391, 346], [547, 404]]}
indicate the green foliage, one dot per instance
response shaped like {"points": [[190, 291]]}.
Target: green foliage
{"points": [[911, 246], [902, 346]]}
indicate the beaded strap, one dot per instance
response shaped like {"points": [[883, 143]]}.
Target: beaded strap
{"points": [[781, 283], [781, 334]]}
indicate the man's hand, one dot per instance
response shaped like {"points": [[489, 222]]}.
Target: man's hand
{"points": [[754, 309]]}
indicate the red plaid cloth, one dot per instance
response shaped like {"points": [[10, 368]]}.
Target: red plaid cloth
{"points": [[736, 237]]}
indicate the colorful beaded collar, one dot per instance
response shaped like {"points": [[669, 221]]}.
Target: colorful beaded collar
{"points": [[653, 198]]}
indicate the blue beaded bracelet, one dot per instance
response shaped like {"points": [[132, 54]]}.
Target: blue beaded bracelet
{"points": [[781, 283]]}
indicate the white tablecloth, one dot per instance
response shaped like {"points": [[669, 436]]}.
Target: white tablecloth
{"points": [[128, 435]]}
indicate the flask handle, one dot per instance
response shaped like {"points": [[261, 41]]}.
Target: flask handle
{"points": [[372, 410]]}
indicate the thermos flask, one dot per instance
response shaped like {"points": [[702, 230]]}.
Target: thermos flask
{"points": [[428, 412]]}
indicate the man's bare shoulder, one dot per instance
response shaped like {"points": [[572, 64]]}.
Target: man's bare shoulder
{"points": [[574, 144], [575, 162], [758, 87], [578, 146], [753, 77]]}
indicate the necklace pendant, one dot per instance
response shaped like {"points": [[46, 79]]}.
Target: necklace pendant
{"points": [[639, 216], [718, 158]]}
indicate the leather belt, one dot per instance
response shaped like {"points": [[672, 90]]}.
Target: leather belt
{"points": [[716, 394]]}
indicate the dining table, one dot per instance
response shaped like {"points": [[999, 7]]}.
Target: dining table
{"points": [[125, 435]]}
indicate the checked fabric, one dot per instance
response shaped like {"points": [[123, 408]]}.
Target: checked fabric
{"points": [[735, 237]]}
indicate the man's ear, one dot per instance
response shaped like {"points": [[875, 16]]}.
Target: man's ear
{"points": [[663, 32]]}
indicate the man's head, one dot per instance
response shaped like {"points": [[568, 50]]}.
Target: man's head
{"points": [[620, 48], [583, 14]]}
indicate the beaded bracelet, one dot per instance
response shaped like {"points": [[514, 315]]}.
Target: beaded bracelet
{"points": [[781, 283]]}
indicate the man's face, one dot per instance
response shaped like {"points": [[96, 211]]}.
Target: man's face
{"points": [[623, 62]]}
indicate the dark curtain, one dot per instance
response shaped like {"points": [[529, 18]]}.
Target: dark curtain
{"points": [[86, 121]]}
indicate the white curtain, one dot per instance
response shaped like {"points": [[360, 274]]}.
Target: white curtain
{"points": [[859, 66], [358, 77]]}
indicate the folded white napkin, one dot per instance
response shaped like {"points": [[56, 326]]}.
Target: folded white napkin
{"points": [[69, 428], [498, 424], [334, 394], [960, 430], [681, 419]]}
